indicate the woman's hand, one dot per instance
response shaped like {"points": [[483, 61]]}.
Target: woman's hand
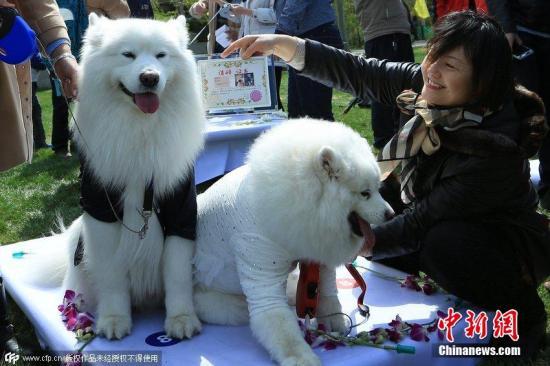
{"points": [[279, 45]]}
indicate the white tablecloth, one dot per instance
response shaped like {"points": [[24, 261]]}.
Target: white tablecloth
{"points": [[225, 345], [228, 139]]}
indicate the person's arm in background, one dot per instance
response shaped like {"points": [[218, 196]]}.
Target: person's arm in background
{"points": [[293, 14], [380, 80], [113, 9], [198, 9], [43, 16], [262, 15], [500, 9]]}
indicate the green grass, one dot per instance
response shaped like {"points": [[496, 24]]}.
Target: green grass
{"points": [[32, 195]]}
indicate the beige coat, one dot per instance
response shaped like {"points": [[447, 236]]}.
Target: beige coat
{"points": [[16, 144], [109, 8]]}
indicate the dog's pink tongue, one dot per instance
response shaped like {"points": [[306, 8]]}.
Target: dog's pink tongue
{"points": [[147, 102], [368, 235]]}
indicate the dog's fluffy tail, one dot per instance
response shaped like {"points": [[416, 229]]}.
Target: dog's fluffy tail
{"points": [[47, 265]]}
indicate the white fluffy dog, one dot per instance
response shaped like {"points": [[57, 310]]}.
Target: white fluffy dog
{"points": [[309, 192], [140, 120]]}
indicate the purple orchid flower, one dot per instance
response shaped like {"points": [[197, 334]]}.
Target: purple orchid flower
{"points": [[428, 288], [418, 333], [411, 282]]}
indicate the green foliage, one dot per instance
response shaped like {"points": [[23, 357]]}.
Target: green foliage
{"points": [[354, 33]]}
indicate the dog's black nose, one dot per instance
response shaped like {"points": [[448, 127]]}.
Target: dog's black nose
{"points": [[149, 79]]}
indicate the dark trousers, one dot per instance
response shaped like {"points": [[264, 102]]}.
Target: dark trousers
{"points": [[60, 120], [305, 96], [278, 78], [478, 263], [536, 76], [39, 136], [392, 47]]}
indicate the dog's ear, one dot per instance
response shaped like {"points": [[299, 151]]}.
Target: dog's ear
{"points": [[331, 163], [93, 19], [94, 33], [181, 30]]}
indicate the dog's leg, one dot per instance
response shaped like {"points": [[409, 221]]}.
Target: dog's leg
{"points": [[330, 310], [263, 268], [181, 320], [278, 331], [218, 308], [109, 277]]}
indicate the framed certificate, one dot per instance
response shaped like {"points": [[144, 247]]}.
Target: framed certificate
{"points": [[233, 83]]}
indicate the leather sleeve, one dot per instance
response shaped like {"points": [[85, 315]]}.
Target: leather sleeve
{"points": [[478, 190], [377, 79]]}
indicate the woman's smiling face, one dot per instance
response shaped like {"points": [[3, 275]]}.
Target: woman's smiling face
{"points": [[448, 80]]}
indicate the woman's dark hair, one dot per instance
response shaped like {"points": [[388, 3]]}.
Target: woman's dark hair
{"points": [[485, 45]]}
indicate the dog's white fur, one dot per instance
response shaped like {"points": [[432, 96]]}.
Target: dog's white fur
{"points": [[125, 149], [290, 203]]}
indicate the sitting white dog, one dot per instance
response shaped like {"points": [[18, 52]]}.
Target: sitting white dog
{"points": [[308, 193], [140, 123]]}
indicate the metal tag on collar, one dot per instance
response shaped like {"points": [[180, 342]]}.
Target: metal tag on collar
{"points": [[147, 210], [143, 231]]}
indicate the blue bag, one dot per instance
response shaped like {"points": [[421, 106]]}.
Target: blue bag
{"points": [[17, 39]]}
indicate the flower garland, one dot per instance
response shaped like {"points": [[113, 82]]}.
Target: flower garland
{"points": [[317, 336], [76, 321], [422, 282]]}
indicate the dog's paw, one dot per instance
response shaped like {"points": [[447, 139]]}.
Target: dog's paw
{"points": [[182, 326], [306, 359], [330, 314], [114, 326]]}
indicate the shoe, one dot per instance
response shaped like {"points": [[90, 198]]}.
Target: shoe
{"points": [[42, 146], [8, 343], [63, 154]]}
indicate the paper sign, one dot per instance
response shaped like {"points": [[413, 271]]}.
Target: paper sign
{"points": [[235, 83]]}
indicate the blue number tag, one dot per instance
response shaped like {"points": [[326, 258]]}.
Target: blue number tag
{"points": [[160, 339]]}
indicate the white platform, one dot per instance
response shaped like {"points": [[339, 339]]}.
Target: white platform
{"points": [[228, 139], [224, 345]]}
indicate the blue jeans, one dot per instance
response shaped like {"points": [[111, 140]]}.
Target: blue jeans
{"points": [[305, 96]]}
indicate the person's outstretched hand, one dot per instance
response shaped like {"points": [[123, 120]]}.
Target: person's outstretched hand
{"points": [[280, 45]]}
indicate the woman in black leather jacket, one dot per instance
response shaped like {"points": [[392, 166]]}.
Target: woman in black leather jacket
{"points": [[468, 217]]}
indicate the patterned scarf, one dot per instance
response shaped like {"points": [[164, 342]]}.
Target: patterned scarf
{"points": [[419, 133]]}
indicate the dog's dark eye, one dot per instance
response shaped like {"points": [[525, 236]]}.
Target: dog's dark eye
{"points": [[161, 54], [366, 194], [129, 55]]}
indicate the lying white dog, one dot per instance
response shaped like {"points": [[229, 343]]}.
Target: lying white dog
{"points": [[140, 120], [308, 193]]}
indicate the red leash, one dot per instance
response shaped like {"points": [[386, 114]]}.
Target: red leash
{"points": [[307, 292]]}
